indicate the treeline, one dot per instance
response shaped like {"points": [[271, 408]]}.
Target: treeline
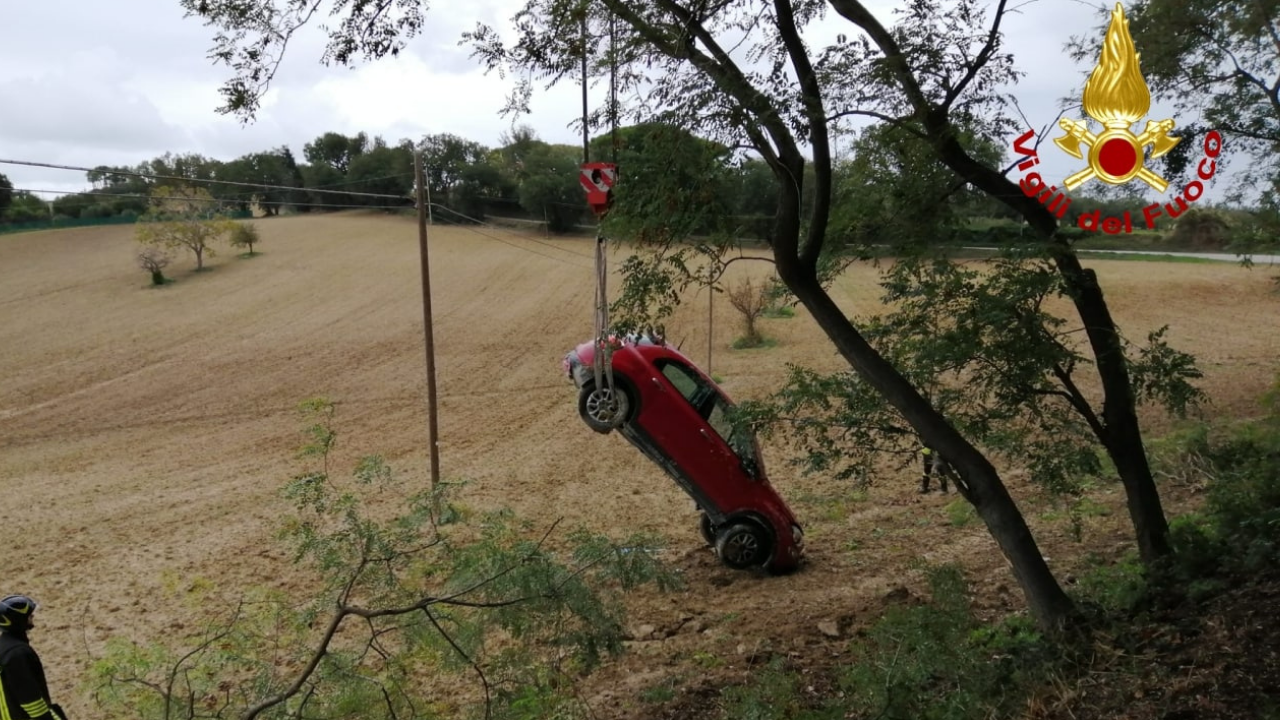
{"points": [[885, 189]]}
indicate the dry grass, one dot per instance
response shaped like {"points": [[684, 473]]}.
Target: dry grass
{"points": [[145, 431]]}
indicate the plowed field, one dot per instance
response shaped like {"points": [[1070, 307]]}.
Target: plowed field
{"points": [[145, 432]]}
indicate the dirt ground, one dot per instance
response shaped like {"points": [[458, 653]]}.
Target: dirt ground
{"points": [[145, 432]]}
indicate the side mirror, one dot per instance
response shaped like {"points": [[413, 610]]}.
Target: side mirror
{"points": [[750, 468]]}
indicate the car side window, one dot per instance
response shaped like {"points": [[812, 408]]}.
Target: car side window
{"points": [[688, 384], [734, 438]]}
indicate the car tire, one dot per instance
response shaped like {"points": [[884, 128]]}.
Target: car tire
{"points": [[708, 532], [596, 411], [743, 545]]}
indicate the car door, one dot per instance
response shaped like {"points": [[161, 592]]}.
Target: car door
{"points": [[679, 424]]}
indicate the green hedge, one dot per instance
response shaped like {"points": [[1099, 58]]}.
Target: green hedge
{"points": [[62, 221]]}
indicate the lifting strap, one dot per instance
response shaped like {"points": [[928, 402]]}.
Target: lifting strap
{"points": [[601, 363]]}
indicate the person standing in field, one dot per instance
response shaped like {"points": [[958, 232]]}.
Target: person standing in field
{"points": [[933, 461], [24, 693]]}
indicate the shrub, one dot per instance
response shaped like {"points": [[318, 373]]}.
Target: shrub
{"points": [[244, 235]]}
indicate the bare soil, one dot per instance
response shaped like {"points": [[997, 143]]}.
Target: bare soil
{"points": [[145, 432]]}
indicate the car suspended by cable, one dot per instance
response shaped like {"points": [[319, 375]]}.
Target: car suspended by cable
{"points": [[658, 400]]}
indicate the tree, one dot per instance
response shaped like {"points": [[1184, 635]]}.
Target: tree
{"points": [[676, 184], [6, 194], [244, 234], [1217, 61], [550, 188], [183, 217], [445, 158], [26, 208], [383, 170], [335, 150], [427, 588], [154, 260], [934, 76], [750, 300], [270, 171]]}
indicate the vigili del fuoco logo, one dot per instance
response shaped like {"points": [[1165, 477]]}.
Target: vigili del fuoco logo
{"points": [[1116, 96]]}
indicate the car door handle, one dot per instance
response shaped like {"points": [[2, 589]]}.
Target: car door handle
{"points": [[706, 436], [658, 382]]}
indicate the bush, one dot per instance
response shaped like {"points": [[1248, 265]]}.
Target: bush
{"points": [[1238, 531], [928, 662], [436, 591]]}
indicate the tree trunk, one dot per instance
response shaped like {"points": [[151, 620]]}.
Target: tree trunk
{"points": [[199, 258], [1123, 438], [1122, 435], [981, 484]]}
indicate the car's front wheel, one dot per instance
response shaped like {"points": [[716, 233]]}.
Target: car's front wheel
{"points": [[603, 410], [742, 545], [708, 531]]}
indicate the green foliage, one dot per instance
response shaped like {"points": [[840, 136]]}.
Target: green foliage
{"points": [[550, 189], [1237, 533], [929, 662], [1119, 587], [404, 607], [183, 217], [960, 513], [674, 185], [1214, 60], [244, 235], [980, 345], [6, 195]]}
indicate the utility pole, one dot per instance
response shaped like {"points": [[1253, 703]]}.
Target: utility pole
{"points": [[711, 319], [585, 140], [432, 430], [430, 220]]}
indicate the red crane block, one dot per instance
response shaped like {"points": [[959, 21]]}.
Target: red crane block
{"points": [[598, 179]]}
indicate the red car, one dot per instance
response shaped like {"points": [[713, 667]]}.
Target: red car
{"points": [[676, 415]]}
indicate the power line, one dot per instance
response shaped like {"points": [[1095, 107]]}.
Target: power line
{"points": [[354, 207], [333, 185], [505, 242], [149, 176], [223, 201]]}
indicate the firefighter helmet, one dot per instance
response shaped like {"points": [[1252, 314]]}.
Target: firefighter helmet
{"points": [[15, 613]]}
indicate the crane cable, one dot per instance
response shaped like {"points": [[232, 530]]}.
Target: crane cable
{"points": [[602, 364]]}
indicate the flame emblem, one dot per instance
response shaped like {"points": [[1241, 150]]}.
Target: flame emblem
{"points": [[1116, 96]]}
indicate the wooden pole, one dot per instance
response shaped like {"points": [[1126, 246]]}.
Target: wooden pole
{"points": [[430, 219], [585, 141], [711, 319], [432, 430]]}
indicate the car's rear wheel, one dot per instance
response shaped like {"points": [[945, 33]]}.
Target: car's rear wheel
{"points": [[743, 545], [603, 410]]}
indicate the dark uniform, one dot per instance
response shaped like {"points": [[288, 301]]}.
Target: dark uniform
{"points": [[24, 693], [933, 461]]}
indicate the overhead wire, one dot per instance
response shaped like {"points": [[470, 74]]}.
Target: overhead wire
{"points": [[512, 244], [210, 181], [354, 207], [221, 201], [260, 186]]}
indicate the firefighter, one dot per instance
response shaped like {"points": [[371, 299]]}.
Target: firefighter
{"points": [[24, 693], [933, 461]]}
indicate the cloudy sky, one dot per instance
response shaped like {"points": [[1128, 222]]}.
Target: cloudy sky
{"points": [[116, 83]]}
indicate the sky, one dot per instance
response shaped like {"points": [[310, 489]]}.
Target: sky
{"points": [[121, 82]]}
